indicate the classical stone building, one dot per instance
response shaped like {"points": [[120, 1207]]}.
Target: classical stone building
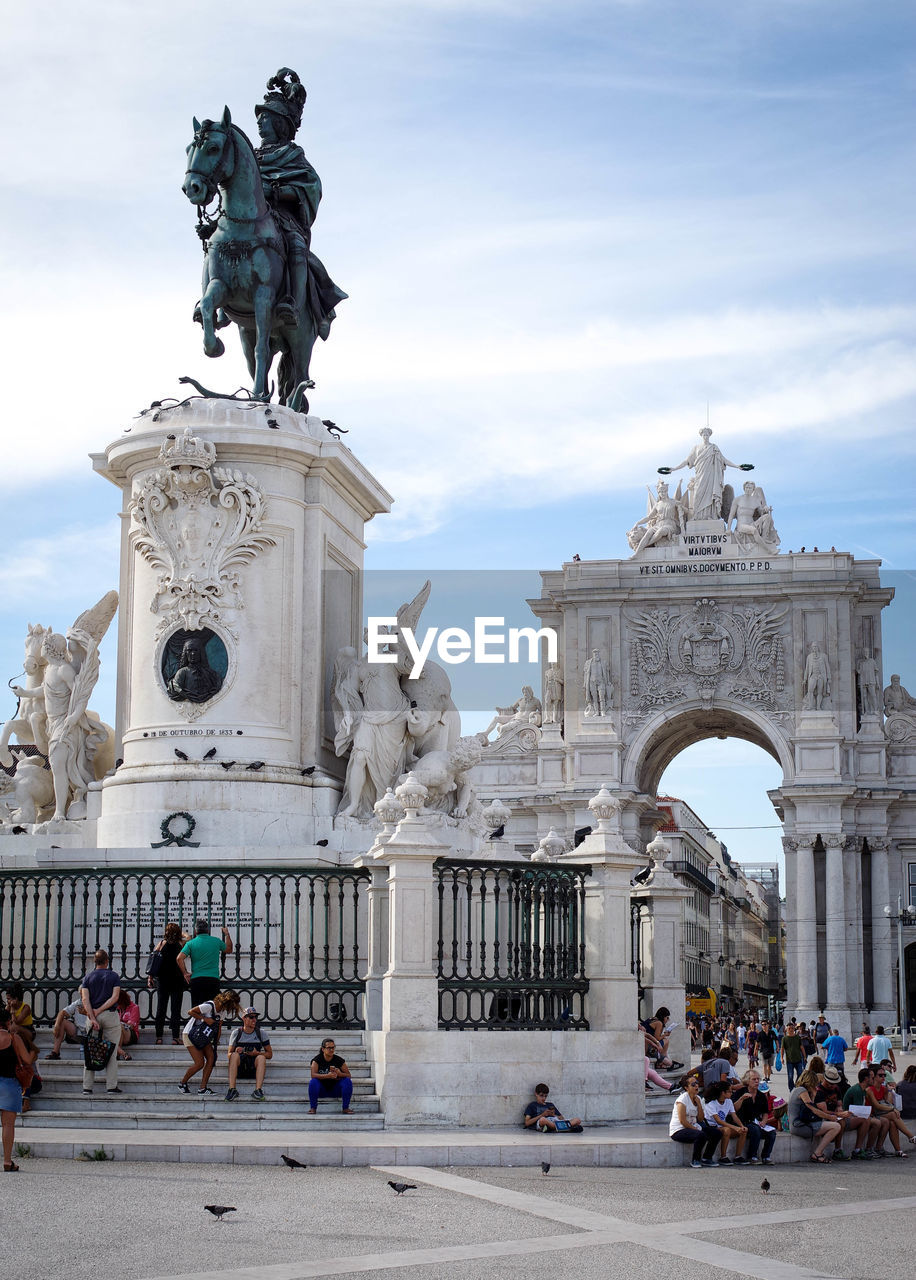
{"points": [[707, 630]]}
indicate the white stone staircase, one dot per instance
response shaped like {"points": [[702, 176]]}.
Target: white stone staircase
{"points": [[151, 1098]]}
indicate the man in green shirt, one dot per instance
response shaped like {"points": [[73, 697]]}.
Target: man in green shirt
{"points": [[877, 1128], [793, 1053], [206, 954]]}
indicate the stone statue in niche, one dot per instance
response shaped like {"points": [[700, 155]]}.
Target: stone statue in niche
{"points": [[194, 679], [869, 684], [597, 686], [525, 710], [54, 707], [553, 694], [753, 520], [664, 519], [706, 488], [897, 701], [816, 680]]}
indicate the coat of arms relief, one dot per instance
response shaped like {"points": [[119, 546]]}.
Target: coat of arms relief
{"points": [[706, 652], [199, 524]]}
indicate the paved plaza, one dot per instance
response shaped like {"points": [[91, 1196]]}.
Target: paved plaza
{"points": [[147, 1221]]}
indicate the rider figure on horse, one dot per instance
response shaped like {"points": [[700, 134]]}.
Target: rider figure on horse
{"points": [[292, 188]]}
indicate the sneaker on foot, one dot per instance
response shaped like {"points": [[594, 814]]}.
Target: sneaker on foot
{"points": [[754, 1160], [867, 1155], [738, 1160], [695, 1164], [838, 1155], [231, 1095], [706, 1164], [183, 1087], [769, 1160], [258, 1095], [207, 1090], [725, 1160]]}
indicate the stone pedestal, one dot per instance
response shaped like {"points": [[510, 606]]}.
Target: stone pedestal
{"points": [[243, 529]]}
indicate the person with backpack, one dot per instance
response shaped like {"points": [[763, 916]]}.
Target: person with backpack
{"points": [[201, 1036]]}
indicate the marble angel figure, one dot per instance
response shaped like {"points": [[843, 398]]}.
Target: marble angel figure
{"points": [[753, 519], [370, 716], [664, 519], [74, 735]]}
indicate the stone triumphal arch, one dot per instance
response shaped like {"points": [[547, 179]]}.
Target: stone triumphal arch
{"points": [[709, 630]]}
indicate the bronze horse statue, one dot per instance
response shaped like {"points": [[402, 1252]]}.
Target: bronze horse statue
{"points": [[245, 268]]}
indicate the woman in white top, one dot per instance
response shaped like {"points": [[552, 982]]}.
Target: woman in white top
{"points": [[688, 1124]]}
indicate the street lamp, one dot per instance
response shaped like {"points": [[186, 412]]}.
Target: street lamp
{"points": [[905, 915]]}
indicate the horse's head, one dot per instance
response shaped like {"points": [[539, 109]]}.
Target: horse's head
{"points": [[209, 159], [34, 659]]}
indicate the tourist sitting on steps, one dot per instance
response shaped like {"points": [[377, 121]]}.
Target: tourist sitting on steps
{"points": [[719, 1111], [544, 1116], [688, 1124], [330, 1078], [808, 1119], [755, 1110], [71, 1024], [249, 1054]]}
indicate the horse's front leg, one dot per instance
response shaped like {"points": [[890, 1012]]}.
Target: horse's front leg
{"points": [[263, 317], [213, 298]]}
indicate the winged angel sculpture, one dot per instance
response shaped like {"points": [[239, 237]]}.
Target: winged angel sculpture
{"points": [[388, 722], [56, 710], [671, 649]]}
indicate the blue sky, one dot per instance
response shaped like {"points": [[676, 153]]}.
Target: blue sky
{"points": [[563, 229]]}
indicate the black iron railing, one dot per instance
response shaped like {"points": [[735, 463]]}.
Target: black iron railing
{"points": [[511, 945], [296, 934]]}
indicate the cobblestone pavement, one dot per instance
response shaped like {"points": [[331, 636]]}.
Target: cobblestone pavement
{"points": [[148, 1221]]}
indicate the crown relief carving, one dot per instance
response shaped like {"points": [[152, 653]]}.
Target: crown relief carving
{"points": [[198, 524]]}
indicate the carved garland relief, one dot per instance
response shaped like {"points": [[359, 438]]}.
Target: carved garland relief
{"points": [[706, 652]]}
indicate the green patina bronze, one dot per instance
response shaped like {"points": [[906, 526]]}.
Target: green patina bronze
{"points": [[259, 269]]}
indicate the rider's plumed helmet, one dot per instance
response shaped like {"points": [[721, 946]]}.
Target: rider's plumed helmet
{"points": [[285, 98]]}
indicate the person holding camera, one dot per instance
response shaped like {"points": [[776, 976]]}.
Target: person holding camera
{"points": [[249, 1054]]}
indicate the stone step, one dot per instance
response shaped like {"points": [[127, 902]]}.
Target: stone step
{"points": [[70, 1092], [359, 1141], [234, 1119], [53, 1073]]}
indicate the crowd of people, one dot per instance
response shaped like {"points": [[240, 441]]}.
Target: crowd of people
{"points": [[105, 1021], [716, 1106]]}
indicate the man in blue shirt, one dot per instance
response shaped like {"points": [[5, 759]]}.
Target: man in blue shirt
{"points": [[834, 1048], [99, 993]]}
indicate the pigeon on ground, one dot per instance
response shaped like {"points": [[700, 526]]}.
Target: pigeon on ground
{"points": [[306, 773], [323, 843], [291, 1163], [765, 1186], [208, 755], [498, 833], [255, 766], [227, 764], [219, 1209], [545, 1167], [182, 755], [18, 830], [401, 1187]]}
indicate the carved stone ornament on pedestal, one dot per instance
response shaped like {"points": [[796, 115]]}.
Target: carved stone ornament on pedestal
{"points": [[730, 653], [199, 524]]}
